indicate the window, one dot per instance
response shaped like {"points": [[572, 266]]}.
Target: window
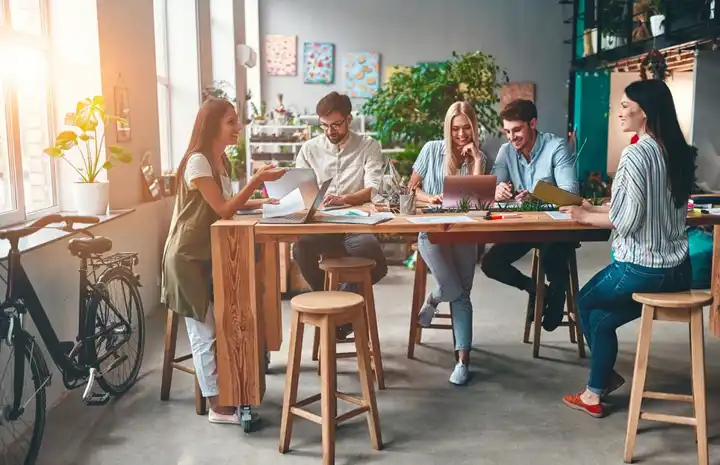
{"points": [[163, 82], [27, 175]]}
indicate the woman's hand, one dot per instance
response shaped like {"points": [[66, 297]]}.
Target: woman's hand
{"points": [[272, 201], [586, 205], [471, 151], [269, 173], [415, 181], [579, 214], [435, 199]]}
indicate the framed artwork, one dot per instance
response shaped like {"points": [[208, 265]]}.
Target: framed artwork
{"points": [[516, 90], [281, 55], [122, 110], [318, 63], [362, 74], [390, 70]]}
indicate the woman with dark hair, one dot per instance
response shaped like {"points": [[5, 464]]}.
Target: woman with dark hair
{"points": [[204, 195], [647, 211]]}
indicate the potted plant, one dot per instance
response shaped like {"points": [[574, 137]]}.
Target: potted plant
{"points": [[90, 120], [615, 25]]}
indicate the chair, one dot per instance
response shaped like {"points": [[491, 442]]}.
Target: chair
{"points": [[419, 290], [354, 270], [571, 313], [327, 310], [170, 362], [679, 307]]}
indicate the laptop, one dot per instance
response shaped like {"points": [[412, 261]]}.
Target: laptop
{"points": [[303, 216], [477, 189]]}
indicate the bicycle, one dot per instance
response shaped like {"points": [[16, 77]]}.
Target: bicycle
{"points": [[103, 330]]}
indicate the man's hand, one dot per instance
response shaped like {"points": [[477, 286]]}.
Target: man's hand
{"points": [[503, 192], [334, 200], [522, 195]]}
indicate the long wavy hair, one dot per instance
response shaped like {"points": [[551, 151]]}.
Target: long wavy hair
{"points": [[655, 99], [205, 130], [458, 108]]}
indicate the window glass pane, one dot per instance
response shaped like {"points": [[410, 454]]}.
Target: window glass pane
{"points": [[6, 189], [25, 16], [164, 123], [34, 134], [160, 37]]}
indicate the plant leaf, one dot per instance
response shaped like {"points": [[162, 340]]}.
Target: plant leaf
{"points": [[54, 152], [98, 101], [120, 154], [107, 165]]}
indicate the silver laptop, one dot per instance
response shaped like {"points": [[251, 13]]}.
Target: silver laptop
{"points": [[303, 216]]}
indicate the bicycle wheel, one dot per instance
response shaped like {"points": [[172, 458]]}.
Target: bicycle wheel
{"points": [[120, 348], [19, 440]]}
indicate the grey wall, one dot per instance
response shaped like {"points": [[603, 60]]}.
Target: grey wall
{"points": [[526, 37], [706, 136]]}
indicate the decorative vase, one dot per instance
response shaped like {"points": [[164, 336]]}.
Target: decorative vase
{"points": [[91, 198], [656, 25]]}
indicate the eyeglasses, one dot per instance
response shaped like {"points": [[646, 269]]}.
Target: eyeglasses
{"points": [[336, 125]]}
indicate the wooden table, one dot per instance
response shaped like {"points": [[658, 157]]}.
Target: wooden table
{"points": [[247, 284]]}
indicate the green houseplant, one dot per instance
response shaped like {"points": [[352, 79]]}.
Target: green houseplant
{"points": [[86, 137], [411, 109]]}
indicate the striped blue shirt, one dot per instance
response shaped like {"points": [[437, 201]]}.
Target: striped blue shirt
{"points": [[649, 230], [550, 161], [430, 165]]}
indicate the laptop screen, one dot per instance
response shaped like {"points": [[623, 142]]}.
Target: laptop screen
{"points": [[319, 198]]}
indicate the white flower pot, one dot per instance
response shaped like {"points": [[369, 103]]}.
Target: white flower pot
{"points": [[91, 198], [656, 25]]}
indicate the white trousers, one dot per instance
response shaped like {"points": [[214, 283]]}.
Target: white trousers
{"points": [[202, 346]]}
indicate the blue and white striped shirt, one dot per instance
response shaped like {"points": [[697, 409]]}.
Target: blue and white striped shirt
{"points": [[649, 230], [430, 165]]}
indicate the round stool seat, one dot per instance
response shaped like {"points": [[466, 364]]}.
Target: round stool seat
{"points": [[685, 299], [327, 302], [346, 262]]}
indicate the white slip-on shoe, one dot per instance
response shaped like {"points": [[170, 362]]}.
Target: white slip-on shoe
{"points": [[427, 313], [460, 374], [214, 417]]}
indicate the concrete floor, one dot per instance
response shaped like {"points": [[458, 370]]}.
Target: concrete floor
{"points": [[511, 412]]}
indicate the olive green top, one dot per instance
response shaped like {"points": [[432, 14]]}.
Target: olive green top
{"points": [[186, 266]]}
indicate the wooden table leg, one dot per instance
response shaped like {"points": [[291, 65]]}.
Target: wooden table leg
{"points": [[715, 283], [268, 282], [239, 330]]}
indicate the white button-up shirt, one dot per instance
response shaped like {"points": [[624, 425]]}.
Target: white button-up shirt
{"points": [[353, 167]]}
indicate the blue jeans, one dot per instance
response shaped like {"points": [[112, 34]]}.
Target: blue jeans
{"points": [[453, 267], [605, 303]]}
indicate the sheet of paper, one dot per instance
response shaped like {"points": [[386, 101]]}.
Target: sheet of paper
{"points": [[249, 212], [346, 212], [292, 179], [558, 215], [439, 219], [382, 215], [291, 203]]}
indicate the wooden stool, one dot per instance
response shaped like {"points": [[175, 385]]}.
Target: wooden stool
{"points": [[680, 307], [354, 270], [170, 363], [418, 299], [327, 310], [572, 321]]}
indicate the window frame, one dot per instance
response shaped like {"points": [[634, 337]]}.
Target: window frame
{"points": [[12, 118], [163, 81]]}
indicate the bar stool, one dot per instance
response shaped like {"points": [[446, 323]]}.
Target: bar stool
{"points": [[170, 362], [327, 310], [679, 307], [418, 298], [354, 270], [571, 312]]}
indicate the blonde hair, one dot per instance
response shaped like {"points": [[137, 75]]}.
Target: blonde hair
{"points": [[458, 108]]}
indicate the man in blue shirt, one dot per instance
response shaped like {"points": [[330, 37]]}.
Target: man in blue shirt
{"points": [[528, 157]]}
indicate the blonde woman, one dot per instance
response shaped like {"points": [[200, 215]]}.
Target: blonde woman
{"points": [[452, 265]]}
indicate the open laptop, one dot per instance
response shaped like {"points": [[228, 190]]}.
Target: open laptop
{"points": [[480, 188], [303, 216]]}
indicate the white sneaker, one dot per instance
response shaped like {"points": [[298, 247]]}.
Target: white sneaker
{"points": [[427, 313], [214, 417], [460, 374]]}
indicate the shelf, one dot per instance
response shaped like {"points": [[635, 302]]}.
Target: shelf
{"points": [[285, 144], [269, 126]]}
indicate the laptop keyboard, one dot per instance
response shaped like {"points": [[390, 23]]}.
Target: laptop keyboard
{"points": [[298, 217]]}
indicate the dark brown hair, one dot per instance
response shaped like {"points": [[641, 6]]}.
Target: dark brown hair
{"points": [[206, 128], [519, 110], [334, 102]]}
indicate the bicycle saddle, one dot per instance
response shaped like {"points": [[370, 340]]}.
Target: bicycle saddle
{"points": [[89, 245]]}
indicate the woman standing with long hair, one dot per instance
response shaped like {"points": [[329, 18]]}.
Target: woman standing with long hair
{"points": [[452, 265], [204, 195], [648, 212]]}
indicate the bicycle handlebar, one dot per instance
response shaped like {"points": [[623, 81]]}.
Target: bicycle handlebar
{"points": [[45, 221]]}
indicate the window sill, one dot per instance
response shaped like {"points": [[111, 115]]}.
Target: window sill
{"points": [[48, 236]]}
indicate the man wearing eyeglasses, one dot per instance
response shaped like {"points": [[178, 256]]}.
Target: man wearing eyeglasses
{"points": [[354, 162]]}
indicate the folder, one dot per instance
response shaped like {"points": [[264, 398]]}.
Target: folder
{"points": [[552, 194]]}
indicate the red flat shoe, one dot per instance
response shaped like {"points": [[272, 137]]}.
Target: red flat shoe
{"points": [[575, 402]]}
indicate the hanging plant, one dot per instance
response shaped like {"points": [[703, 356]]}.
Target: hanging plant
{"points": [[654, 63]]}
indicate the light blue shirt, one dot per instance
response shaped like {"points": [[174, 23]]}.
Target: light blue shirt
{"points": [[550, 161]]}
